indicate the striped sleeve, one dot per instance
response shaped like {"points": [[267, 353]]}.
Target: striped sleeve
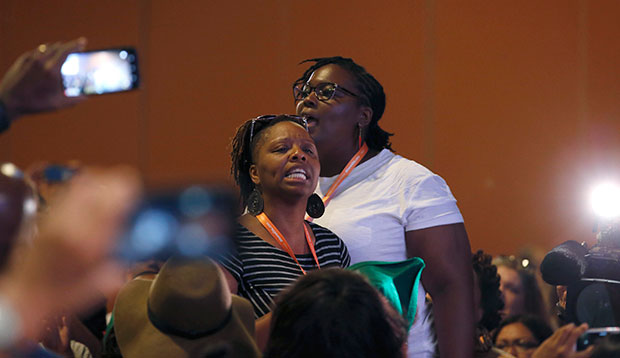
{"points": [[231, 261]]}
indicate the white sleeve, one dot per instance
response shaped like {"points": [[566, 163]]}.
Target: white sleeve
{"points": [[430, 203]]}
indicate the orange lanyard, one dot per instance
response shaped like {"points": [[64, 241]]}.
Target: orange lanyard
{"points": [[344, 174], [276, 234]]}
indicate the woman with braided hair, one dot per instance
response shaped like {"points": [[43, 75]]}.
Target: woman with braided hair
{"points": [[386, 207], [276, 166]]}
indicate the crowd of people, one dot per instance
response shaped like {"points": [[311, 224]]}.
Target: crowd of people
{"points": [[342, 248]]}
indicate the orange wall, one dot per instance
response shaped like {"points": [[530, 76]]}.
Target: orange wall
{"points": [[515, 103]]}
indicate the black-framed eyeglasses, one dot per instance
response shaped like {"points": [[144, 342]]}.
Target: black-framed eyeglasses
{"points": [[267, 118], [324, 91]]}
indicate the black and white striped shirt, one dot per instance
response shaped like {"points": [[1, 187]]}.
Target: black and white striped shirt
{"points": [[262, 270]]}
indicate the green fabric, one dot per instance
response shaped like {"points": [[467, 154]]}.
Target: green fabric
{"points": [[398, 281], [108, 329]]}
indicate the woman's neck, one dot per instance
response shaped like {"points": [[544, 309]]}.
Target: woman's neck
{"points": [[288, 217], [334, 161]]}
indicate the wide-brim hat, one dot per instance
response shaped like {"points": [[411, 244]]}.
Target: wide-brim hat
{"points": [[186, 311], [397, 281]]}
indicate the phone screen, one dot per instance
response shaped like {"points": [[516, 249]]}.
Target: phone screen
{"points": [[99, 72], [592, 335]]}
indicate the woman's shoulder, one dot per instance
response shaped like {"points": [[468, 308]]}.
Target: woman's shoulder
{"points": [[324, 235], [244, 238], [242, 233], [404, 166], [318, 229], [406, 173]]}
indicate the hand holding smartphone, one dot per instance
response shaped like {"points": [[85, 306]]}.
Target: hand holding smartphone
{"points": [[100, 71]]}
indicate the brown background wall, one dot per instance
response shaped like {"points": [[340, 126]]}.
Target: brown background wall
{"points": [[515, 103]]}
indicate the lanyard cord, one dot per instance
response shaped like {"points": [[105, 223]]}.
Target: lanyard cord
{"points": [[276, 234], [353, 162]]}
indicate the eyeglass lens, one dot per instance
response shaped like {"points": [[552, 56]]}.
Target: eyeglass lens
{"points": [[324, 91]]}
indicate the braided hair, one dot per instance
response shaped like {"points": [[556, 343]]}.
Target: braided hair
{"points": [[244, 149], [371, 91], [490, 296]]}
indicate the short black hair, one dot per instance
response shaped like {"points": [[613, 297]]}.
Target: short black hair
{"points": [[242, 152], [491, 300], [371, 95], [334, 313], [539, 328]]}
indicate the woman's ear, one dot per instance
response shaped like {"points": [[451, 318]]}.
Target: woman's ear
{"points": [[365, 116], [254, 174]]}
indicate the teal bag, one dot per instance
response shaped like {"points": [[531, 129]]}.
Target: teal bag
{"points": [[397, 281]]}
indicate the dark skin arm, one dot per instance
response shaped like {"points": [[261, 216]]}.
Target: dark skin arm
{"points": [[448, 278]]}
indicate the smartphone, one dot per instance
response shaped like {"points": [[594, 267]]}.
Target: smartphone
{"points": [[594, 334], [100, 71], [188, 221]]}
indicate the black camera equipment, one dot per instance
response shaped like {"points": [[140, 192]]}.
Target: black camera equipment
{"points": [[592, 277]]}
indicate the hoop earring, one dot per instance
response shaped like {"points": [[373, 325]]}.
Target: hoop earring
{"points": [[255, 202], [315, 207]]}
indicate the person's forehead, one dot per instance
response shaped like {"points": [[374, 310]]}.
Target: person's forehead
{"points": [[507, 273], [331, 73], [285, 129], [515, 331]]}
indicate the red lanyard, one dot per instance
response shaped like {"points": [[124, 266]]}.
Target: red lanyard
{"points": [[276, 234], [344, 174]]}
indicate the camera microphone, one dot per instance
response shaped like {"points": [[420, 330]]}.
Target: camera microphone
{"points": [[564, 264]]}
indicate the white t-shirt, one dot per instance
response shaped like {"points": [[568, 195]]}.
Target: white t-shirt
{"points": [[372, 209]]}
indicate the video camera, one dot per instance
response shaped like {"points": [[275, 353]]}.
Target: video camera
{"points": [[591, 276]]}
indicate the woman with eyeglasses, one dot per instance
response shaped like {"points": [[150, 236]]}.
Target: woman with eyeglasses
{"points": [[386, 207], [520, 335], [276, 166]]}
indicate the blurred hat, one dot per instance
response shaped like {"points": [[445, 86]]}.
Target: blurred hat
{"points": [[186, 311], [398, 281]]}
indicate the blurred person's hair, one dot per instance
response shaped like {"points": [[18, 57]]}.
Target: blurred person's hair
{"points": [[491, 300], [533, 302], [539, 328], [334, 313]]}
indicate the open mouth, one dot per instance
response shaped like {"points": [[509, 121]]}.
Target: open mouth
{"points": [[297, 174]]}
